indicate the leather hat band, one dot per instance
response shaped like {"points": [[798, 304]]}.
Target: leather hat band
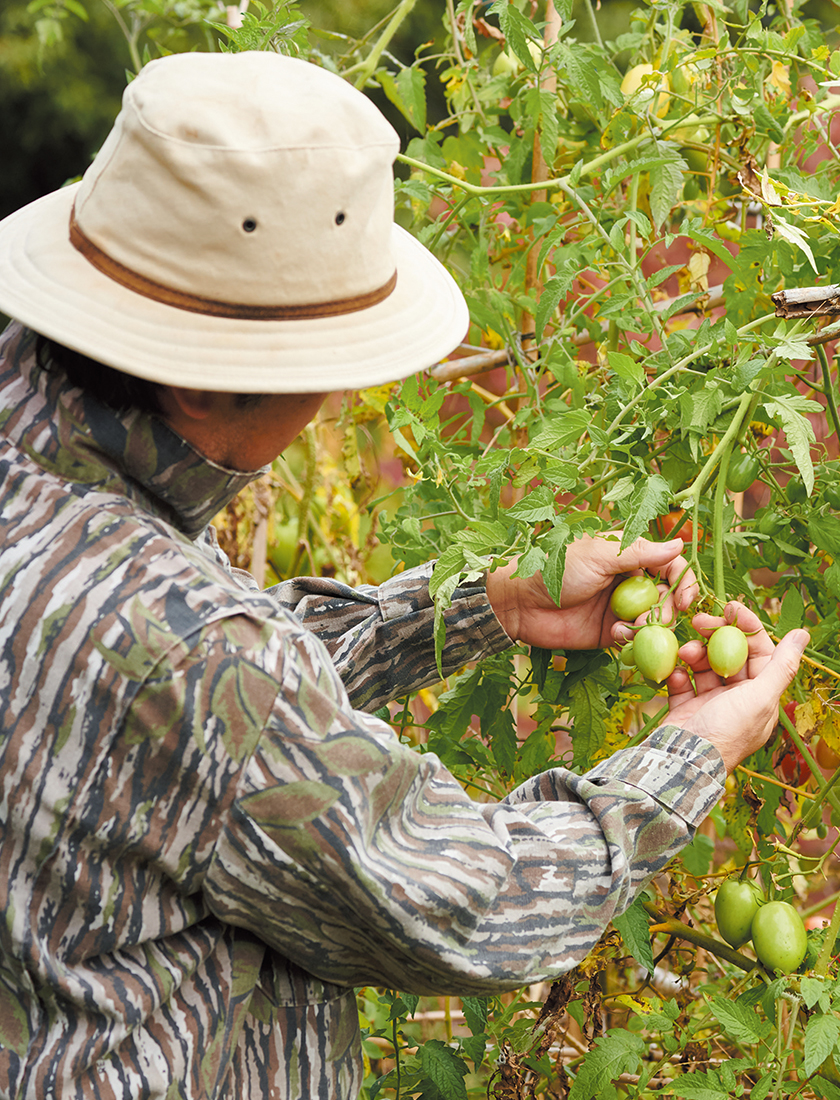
{"points": [[197, 304]]}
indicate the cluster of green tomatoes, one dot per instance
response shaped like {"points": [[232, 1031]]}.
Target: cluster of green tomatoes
{"points": [[775, 928], [654, 647]]}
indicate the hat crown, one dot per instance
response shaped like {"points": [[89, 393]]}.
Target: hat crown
{"points": [[248, 178]]}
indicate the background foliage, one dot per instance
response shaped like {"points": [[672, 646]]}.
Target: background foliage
{"points": [[620, 194]]}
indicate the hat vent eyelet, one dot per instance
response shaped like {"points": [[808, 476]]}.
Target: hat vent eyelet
{"points": [[249, 225], [339, 218]]}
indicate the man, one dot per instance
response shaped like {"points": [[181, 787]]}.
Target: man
{"points": [[204, 845]]}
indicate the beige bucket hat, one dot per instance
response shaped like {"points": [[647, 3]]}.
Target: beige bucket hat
{"points": [[235, 232]]}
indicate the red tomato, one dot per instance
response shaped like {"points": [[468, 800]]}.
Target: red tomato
{"points": [[664, 525], [826, 756]]}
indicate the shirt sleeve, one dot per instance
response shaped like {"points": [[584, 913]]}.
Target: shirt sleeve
{"points": [[381, 638], [365, 862]]}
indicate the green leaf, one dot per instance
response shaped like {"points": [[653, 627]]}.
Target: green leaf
{"points": [[814, 991], [738, 1020], [475, 1013], [407, 94], [793, 611], [821, 1035], [615, 1053], [444, 1068], [699, 1086], [762, 1088], [798, 431], [794, 235], [518, 31], [666, 186], [626, 367], [697, 856], [537, 505], [562, 430], [556, 287], [633, 926], [649, 500], [824, 532], [589, 729]]}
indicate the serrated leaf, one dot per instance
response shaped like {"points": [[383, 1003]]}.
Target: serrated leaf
{"points": [[697, 856], [821, 1035], [633, 925], [813, 990], [738, 1020], [824, 533], [589, 712], [799, 433], [666, 186], [537, 505], [699, 1086], [475, 1013], [793, 611], [795, 236], [626, 367], [762, 1088], [444, 1068], [556, 288], [518, 31], [615, 1053], [408, 93], [561, 430], [649, 500], [698, 410]]}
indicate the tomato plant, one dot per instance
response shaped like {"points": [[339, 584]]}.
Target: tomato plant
{"points": [[621, 251], [633, 597], [779, 937], [736, 903], [727, 650]]}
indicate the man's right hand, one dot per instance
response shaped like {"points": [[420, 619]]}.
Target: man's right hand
{"points": [[737, 715]]}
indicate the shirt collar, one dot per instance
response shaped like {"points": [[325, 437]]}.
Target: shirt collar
{"points": [[83, 440]]}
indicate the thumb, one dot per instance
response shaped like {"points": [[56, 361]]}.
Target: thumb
{"points": [[780, 670], [646, 554]]}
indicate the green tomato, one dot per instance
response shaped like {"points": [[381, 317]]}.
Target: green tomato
{"points": [[795, 490], [727, 650], [655, 650], [633, 597], [736, 903], [779, 937], [742, 472], [626, 655], [770, 522], [832, 496]]}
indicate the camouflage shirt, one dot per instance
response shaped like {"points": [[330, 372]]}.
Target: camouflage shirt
{"points": [[204, 842]]}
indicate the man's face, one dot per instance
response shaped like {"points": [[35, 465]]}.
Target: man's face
{"points": [[239, 435]]}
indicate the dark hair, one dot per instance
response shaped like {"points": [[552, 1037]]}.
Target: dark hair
{"points": [[112, 387], [115, 388]]}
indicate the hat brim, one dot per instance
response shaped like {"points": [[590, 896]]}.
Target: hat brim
{"points": [[47, 285]]}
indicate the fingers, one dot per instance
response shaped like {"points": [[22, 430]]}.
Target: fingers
{"points": [[779, 671]]}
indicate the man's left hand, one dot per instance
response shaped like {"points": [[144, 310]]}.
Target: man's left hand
{"points": [[593, 569]]}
